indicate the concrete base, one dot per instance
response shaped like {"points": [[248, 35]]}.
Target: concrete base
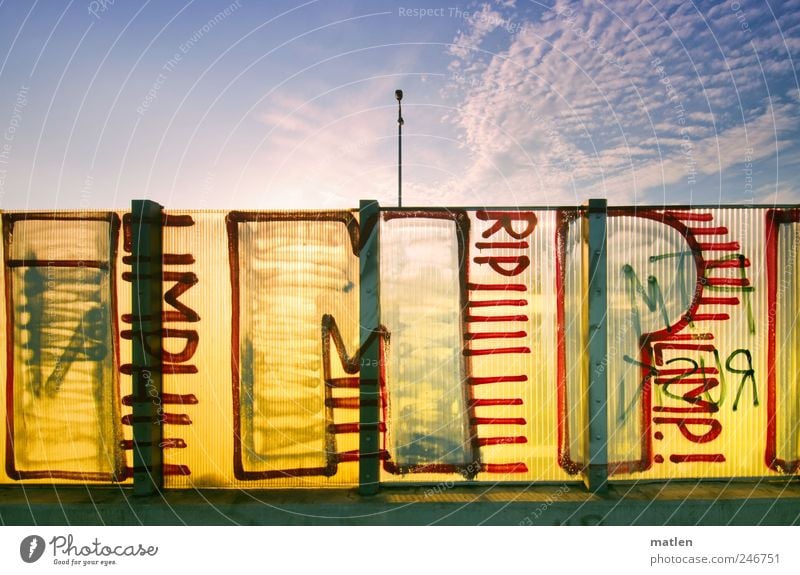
{"points": [[705, 503]]}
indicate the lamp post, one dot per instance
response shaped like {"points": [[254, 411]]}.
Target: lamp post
{"points": [[399, 95]]}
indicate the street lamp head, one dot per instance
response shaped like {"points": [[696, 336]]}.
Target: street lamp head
{"points": [[398, 94]]}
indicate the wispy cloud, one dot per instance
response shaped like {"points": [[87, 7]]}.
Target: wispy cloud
{"points": [[507, 102], [621, 102]]}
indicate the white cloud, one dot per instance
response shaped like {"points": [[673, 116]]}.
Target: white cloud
{"points": [[575, 104], [555, 109], [779, 193], [478, 25]]}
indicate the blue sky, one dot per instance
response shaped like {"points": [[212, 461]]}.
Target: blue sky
{"points": [[246, 104]]}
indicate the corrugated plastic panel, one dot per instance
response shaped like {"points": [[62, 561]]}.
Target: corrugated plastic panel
{"points": [[294, 300], [199, 438], [572, 328], [273, 400], [426, 393], [485, 371], [688, 364], [468, 300], [783, 313], [62, 382]]}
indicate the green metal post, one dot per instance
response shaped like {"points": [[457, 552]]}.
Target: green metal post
{"points": [[369, 318], [147, 294], [596, 477]]}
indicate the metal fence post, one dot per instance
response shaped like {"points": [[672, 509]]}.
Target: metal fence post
{"points": [[147, 294], [596, 477], [369, 320]]}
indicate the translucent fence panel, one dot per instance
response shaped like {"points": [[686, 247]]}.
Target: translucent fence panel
{"points": [[467, 299], [294, 282], [783, 314], [484, 329], [61, 392], [688, 364], [426, 391], [651, 283], [197, 410], [571, 325]]}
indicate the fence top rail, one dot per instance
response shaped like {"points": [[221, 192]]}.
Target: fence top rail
{"points": [[640, 207], [384, 208]]}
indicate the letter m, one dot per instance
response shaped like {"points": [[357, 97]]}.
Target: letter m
{"points": [[651, 296]]}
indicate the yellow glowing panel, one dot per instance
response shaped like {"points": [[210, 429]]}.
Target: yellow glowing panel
{"points": [[571, 322], [484, 369], [274, 303], [468, 299], [687, 359], [783, 399], [60, 300], [429, 423]]}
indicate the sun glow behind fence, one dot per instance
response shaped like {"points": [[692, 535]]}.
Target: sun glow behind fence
{"points": [[483, 340]]}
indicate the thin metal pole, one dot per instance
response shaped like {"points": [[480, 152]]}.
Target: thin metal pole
{"points": [[400, 162], [596, 478], [147, 293], [399, 95], [369, 375]]}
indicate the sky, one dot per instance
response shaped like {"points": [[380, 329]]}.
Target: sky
{"points": [[248, 104]]}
